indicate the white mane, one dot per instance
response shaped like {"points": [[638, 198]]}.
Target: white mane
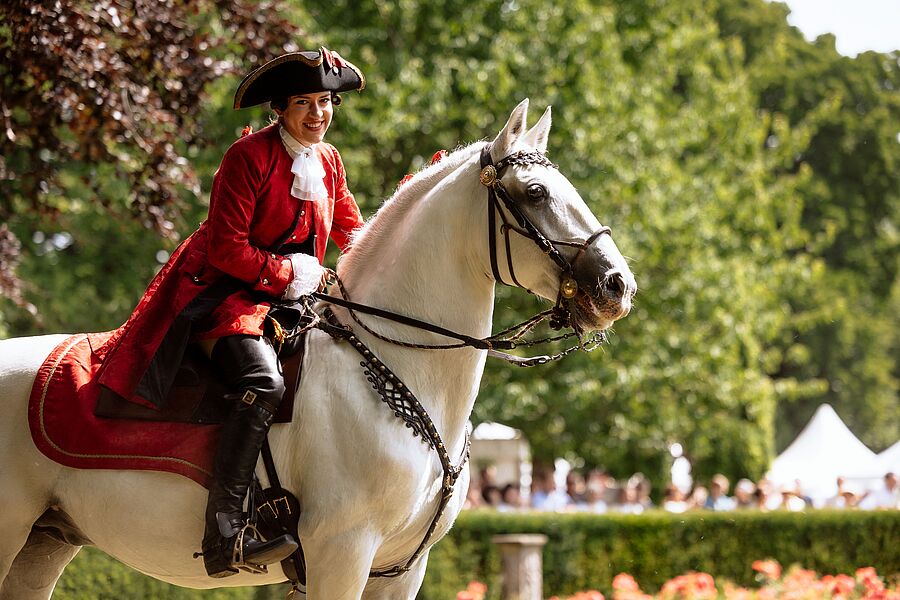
{"points": [[405, 196]]}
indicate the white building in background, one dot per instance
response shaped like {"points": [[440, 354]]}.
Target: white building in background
{"points": [[505, 450]]}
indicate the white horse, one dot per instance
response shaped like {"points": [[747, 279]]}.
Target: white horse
{"points": [[368, 489]]}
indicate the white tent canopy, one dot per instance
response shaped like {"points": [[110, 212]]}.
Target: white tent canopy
{"points": [[825, 450], [890, 459]]}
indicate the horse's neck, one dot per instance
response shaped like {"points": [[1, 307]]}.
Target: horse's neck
{"points": [[423, 262]]}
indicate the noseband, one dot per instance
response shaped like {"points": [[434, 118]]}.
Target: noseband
{"points": [[490, 178]]}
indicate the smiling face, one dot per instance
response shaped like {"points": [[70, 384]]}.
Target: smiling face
{"points": [[307, 117]]}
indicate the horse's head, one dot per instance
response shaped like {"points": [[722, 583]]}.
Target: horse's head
{"points": [[545, 239]]}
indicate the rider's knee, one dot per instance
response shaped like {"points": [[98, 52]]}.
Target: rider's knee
{"points": [[250, 363]]}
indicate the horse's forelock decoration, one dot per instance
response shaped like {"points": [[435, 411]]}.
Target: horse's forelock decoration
{"points": [[368, 490]]}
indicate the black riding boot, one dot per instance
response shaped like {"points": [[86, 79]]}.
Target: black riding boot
{"points": [[240, 441]]}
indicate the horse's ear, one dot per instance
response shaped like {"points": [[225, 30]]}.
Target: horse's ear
{"points": [[511, 132], [537, 135]]}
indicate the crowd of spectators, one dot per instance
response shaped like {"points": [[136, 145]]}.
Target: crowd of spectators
{"points": [[598, 492]]}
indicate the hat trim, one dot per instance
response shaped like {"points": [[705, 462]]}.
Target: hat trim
{"points": [[253, 76], [362, 78], [354, 68]]}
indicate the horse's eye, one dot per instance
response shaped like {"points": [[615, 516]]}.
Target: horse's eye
{"points": [[536, 191]]}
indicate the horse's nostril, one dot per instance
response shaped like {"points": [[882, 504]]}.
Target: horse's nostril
{"points": [[614, 285]]}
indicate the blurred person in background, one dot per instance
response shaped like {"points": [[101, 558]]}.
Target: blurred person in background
{"points": [[575, 488], [743, 493], [772, 495], [627, 501], [761, 498], [792, 499], [837, 500], [487, 476], [600, 479], [698, 498], [887, 496], [674, 500], [544, 495], [849, 499], [595, 499], [642, 488], [491, 496], [473, 495], [719, 499], [511, 498]]}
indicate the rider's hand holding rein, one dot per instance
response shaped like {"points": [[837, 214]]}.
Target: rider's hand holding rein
{"points": [[309, 277]]}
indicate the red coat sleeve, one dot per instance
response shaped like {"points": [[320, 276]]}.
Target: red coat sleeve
{"points": [[232, 202], [347, 217]]}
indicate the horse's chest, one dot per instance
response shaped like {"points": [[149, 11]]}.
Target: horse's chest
{"points": [[423, 511]]}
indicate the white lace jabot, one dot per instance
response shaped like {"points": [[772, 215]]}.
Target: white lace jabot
{"points": [[308, 172]]}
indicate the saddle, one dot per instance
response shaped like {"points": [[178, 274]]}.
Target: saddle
{"points": [[196, 395]]}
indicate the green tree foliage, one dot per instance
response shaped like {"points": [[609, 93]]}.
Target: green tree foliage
{"points": [[100, 102], [842, 335], [750, 176]]}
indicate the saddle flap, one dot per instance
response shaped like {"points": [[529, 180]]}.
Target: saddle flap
{"points": [[196, 396]]}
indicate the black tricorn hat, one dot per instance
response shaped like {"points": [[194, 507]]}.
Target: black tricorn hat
{"points": [[297, 73]]}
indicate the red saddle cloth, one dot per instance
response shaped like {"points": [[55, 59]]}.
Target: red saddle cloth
{"points": [[64, 428]]}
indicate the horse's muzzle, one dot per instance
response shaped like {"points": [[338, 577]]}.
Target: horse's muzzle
{"points": [[603, 299]]}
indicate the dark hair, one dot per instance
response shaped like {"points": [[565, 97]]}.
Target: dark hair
{"points": [[278, 103], [281, 103], [488, 491]]}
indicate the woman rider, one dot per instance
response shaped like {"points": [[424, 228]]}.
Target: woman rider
{"points": [[276, 197]]}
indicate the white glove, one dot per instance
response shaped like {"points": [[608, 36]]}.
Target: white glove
{"points": [[307, 276]]}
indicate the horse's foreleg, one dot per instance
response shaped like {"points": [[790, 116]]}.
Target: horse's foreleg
{"points": [[37, 567], [20, 511], [404, 587], [338, 569], [26, 476]]}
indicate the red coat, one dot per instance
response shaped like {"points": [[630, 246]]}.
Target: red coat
{"points": [[250, 210]]}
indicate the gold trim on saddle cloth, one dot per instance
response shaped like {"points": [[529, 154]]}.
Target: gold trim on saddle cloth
{"points": [[55, 446]]}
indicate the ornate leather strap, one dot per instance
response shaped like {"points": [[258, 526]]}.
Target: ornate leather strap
{"points": [[407, 407]]}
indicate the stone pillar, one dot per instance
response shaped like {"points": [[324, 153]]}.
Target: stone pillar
{"points": [[522, 565]]}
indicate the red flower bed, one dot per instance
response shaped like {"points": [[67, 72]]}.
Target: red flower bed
{"points": [[794, 584]]}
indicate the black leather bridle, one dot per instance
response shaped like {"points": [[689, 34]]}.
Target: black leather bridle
{"points": [[490, 176], [559, 316]]}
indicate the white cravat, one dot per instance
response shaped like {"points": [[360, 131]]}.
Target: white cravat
{"points": [[308, 172]]}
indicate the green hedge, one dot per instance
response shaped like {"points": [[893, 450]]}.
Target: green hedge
{"points": [[585, 552]]}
